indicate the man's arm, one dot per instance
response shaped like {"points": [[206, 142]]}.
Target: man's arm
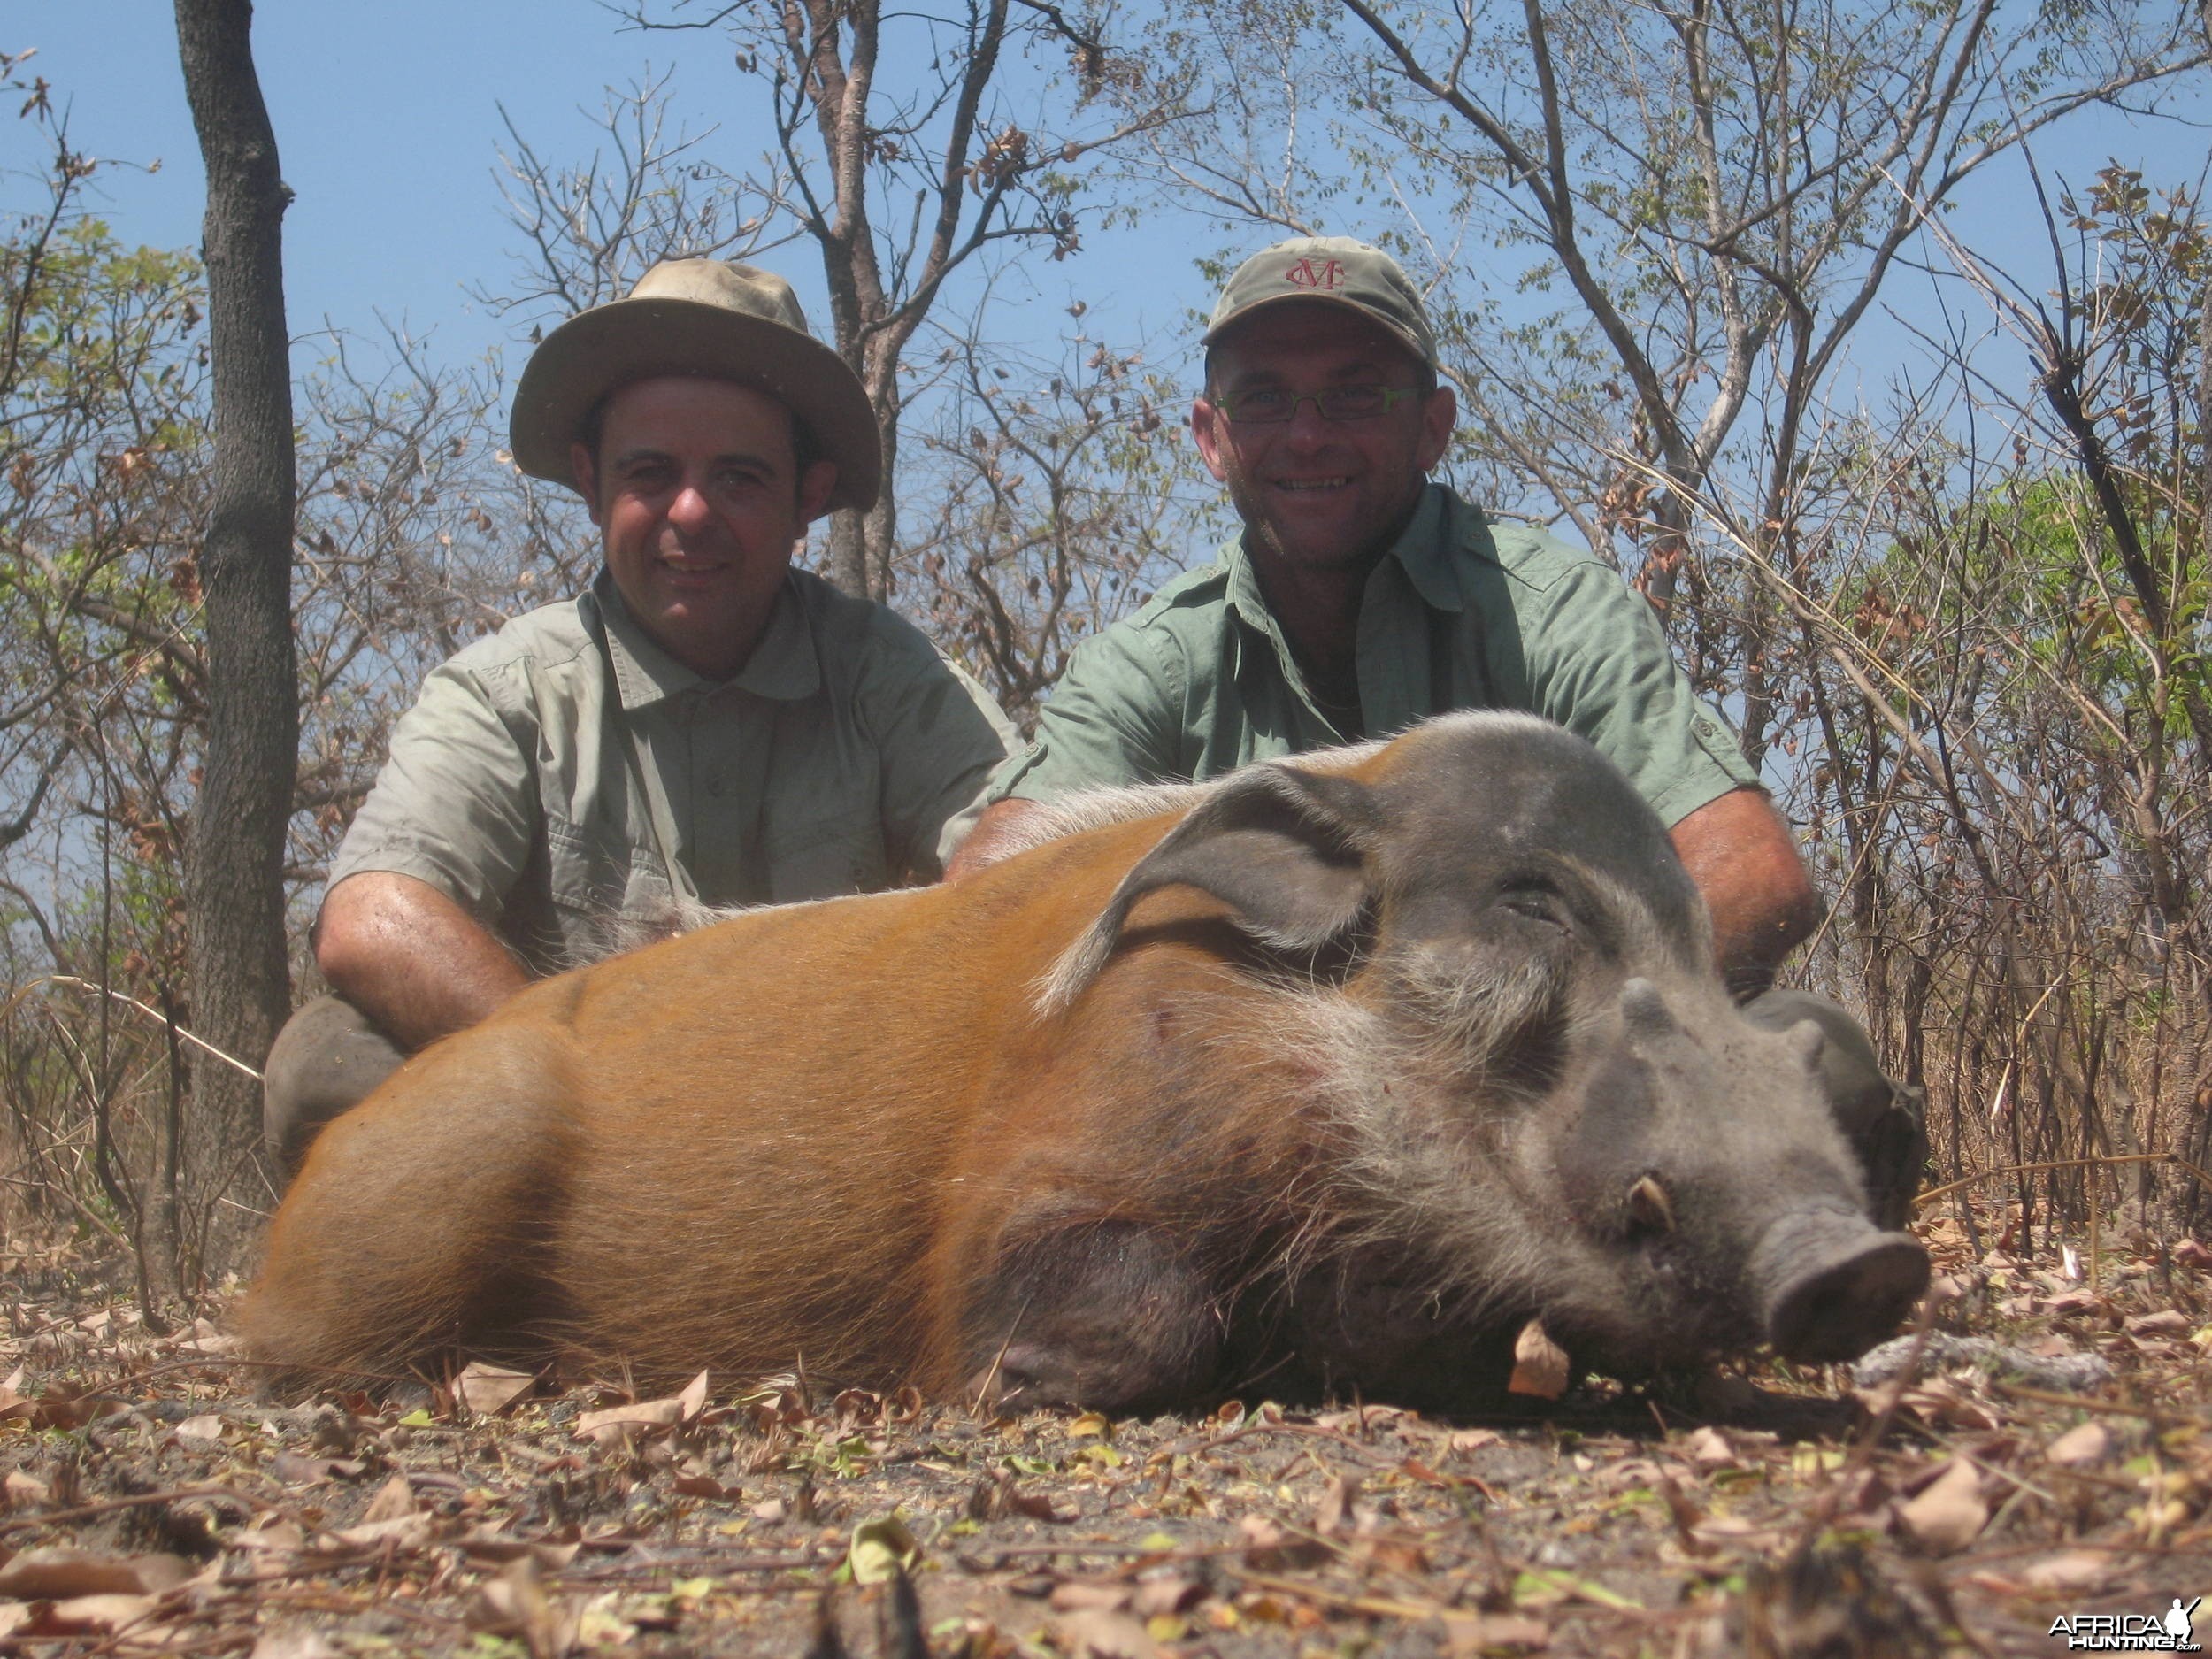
{"points": [[1113, 719], [1740, 853], [410, 958], [441, 839], [942, 736]]}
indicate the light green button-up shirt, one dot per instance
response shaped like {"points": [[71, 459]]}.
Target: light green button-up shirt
{"points": [[1460, 614], [567, 773]]}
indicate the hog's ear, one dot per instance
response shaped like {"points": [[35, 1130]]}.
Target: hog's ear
{"points": [[1284, 849]]}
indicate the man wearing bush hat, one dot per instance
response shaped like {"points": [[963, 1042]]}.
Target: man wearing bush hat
{"points": [[706, 726], [1361, 597]]}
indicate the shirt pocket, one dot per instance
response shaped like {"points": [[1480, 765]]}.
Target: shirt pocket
{"points": [[606, 893], [826, 857]]}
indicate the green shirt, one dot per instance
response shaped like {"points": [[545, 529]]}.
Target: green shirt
{"points": [[1460, 614], [566, 772]]}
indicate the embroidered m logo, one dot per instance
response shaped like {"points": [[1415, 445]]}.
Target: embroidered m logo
{"points": [[1324, 276]]}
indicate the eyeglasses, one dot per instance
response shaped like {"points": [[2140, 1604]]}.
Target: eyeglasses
{"points": [[1269, 405]]}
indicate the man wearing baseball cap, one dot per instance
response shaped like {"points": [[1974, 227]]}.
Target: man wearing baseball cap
{"points": [[1361, 597], [706, 726]]}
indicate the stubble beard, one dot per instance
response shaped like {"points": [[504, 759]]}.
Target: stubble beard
{"points": [[1262, 534]]}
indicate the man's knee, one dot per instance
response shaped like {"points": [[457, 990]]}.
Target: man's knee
{"points": [[326, 1060], [1883, 1121]]}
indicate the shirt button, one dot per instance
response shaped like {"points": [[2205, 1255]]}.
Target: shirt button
{"points": [[716, 784]]}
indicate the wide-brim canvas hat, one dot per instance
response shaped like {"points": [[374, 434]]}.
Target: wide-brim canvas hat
{"points": [[709, 318], [1333, 270]]}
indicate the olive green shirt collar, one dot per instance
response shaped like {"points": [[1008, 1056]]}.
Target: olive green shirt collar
{"points": [[1421, 550], [783, 666], [1416, 571]]}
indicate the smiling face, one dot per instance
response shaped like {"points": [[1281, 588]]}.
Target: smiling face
{"points": [[1320, 493], [700, 500]]}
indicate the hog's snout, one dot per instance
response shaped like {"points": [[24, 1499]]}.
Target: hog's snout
{"points": [[1829, 1285]]}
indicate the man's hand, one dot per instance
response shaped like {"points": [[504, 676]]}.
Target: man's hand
{"points": [[1744, 859], [410, 958], [987, 841]]}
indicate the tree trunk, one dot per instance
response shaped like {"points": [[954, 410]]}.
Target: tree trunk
{"points": [[241, 990], [862, 540]]}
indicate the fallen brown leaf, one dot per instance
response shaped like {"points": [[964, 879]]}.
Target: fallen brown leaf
{"points": [[1171, 1593], [1033, 1506], [1078, 1596], [1734, 1531], [488, 1544], [1940, 1403], [693, 1398], [1949, 1513], [402, 1531], [1493, 1633], [1540, 1364], [1335, 1509], [394, 1499], [2076, 1569], [609, 1423], [2081, 1445], [96, 1615], [705, 1486], [1269, 1549], [296, 1641], [1709, 1448], [286, 1538], [291, 1470], [517, 1603], [488, 1390], [1097, 1633], [56, 1572], [2166, 1322]]}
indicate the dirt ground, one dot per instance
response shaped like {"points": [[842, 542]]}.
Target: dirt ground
{"points": [[152, 1503]]}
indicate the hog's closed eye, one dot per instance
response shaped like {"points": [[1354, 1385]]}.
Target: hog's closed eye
{"points": [[1536, 899]]}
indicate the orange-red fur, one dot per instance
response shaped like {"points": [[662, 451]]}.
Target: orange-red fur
{"points": [[798, 1132], [1330, 1075]]}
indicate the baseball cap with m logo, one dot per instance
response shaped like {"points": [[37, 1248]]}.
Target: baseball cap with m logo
{"points": [[1336, 270]]}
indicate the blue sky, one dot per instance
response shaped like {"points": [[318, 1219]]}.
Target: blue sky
{"points": [[387, 114], [387, 120]]}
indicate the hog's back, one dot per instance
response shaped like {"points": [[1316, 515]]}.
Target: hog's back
{"points": [[729, 1148]]}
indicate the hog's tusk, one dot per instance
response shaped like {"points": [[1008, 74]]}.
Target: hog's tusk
{"points": [[1648, 1204]]}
